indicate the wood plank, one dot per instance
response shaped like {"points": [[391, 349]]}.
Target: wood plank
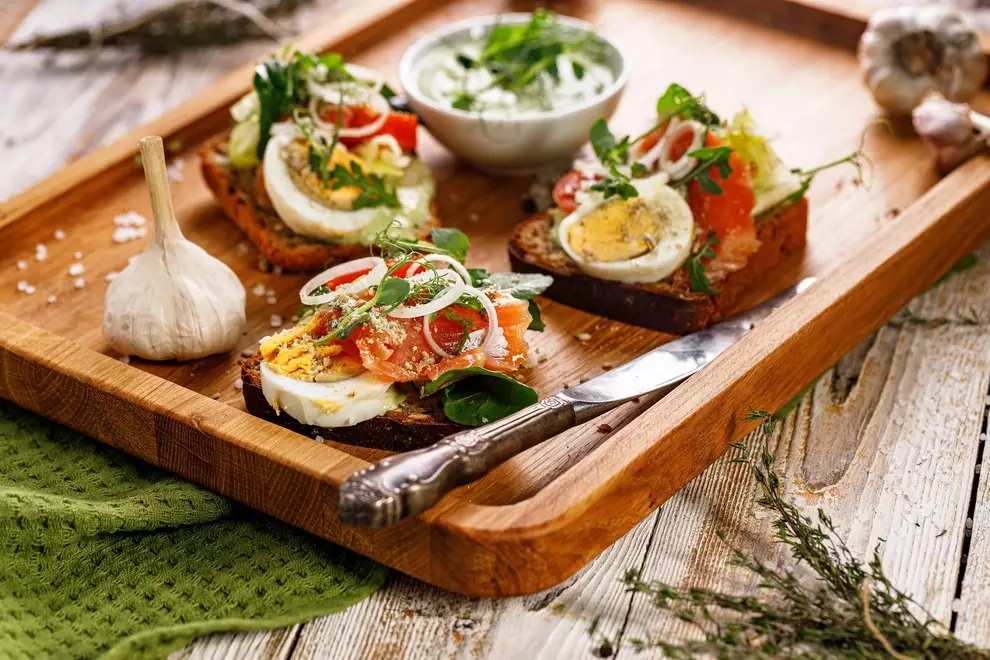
{"points": [[468, 529]]}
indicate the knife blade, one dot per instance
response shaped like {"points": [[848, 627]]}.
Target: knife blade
{"points": [[410, 483]]}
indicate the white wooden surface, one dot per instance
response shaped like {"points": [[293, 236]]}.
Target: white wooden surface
{"points": [[889, 442]]}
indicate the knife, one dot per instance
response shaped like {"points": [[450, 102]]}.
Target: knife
{"points": [[410, 483]]}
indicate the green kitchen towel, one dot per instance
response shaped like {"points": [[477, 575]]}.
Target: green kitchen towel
{"points": [[103, 556]]}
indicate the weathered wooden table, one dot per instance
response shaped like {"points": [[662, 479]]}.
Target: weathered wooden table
{"points": [[889, 442]]}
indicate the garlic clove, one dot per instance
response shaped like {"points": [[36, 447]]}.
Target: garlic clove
{"points": [[954, 131], [174, 301]]}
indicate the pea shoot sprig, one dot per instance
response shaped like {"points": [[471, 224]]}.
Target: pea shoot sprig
{"points": [[614, 153], [521, 57]]}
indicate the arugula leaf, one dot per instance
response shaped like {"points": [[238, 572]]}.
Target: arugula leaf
{"points": [[709, 157], [678, 101], [451, 241], [618, 185], [610, 152], [373, 193], [537, 322], [696, 267], [475, 396], [524, 286]]}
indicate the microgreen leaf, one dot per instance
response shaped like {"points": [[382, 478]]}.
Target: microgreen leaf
{"points": [[392, 292], [451, 241], [708, 158]]}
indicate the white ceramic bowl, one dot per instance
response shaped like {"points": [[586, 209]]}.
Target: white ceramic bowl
{"points": [[509, 145]]}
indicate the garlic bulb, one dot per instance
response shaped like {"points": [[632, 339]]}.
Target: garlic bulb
{"points": [[909, 51], [954, 131], [174, 301]]}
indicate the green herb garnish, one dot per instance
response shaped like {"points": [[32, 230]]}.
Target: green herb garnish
{"points": [[696, 267], [373, 191], [521, 57], [281, 85], [682, 103], [474, 396], [708, 158]]}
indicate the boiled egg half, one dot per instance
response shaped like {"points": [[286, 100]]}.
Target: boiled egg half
{"points": [[637, 240], [328, 216], [329, 404]]}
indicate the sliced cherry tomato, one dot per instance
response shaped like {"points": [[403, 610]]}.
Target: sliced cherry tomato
{"points": [[400, 125], [341, 280], [565, 189]]}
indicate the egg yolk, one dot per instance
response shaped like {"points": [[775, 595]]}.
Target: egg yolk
{"points": [[618, 230], [296, 156]]}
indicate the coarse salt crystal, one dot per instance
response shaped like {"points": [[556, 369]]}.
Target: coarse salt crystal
{"points": [[111, 276], [276, 321], [51, 300], [130, 219], [582, 336], [238, 384], [271, 300], [77, 255], [269, 292], [258, 289], [242, 249], [76, 269], [319, 439], [125, 233], [40, 252], [126, 359], [79, 283], [59, 235], [22, 286], [22, 264], [174, 170], [969, 523], [30, 289], [956, 604]]}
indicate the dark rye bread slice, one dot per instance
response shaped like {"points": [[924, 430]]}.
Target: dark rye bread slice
{"points": [[669, 306], [236, 190], [415, 424]]}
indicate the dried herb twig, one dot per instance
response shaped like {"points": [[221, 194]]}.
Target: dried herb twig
{"points": [[847, 609], [176, 26]]}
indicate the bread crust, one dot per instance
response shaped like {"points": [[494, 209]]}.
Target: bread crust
{"points": [[236, 194], [663, 306], [417, 423]]}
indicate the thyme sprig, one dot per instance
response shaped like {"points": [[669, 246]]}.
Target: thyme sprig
{"points": [[858, 159], [849, 610]]}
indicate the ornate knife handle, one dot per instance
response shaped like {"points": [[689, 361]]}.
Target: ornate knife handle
{"points": [[410, 483]]}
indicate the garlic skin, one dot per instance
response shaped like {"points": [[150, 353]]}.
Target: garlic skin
{"points": [[174, 301], [908, 51]]}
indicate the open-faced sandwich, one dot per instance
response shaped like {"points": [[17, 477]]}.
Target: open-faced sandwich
{"points": [[398, 350], [666, 230], [317, 163]]}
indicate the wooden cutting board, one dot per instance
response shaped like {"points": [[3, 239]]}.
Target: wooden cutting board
{"points": [[543, 515]]}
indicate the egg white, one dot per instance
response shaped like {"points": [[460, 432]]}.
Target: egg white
{"points": [[671, 251], [308, 217], [342, 403]]}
